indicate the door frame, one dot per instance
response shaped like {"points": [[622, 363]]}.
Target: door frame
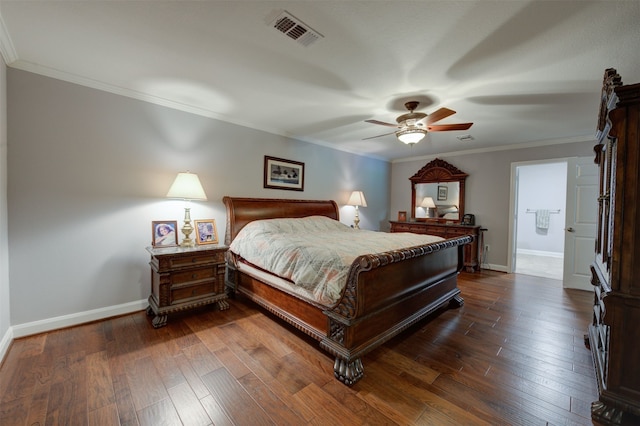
{"points": [[513, 204]]}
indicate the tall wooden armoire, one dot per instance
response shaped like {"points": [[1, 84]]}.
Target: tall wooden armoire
{"points": [[614, 335]]}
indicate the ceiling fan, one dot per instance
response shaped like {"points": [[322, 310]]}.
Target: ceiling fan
{"points": [[414, 126]]}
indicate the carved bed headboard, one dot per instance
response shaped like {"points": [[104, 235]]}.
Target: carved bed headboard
{"points": [[241, 211]]}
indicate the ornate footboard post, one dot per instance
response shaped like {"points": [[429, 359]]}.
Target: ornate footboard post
{"points": [[345, 369]]}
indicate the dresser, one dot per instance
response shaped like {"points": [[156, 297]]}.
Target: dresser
{"points": [[185, 278], [614, 334], [445, 230]]}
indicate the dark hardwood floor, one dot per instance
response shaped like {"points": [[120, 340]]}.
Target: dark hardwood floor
{"points": [[513, 355]]}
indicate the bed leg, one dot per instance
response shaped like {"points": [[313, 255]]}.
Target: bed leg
{"points": [[456, 302], [348, 372], [230, 281]]}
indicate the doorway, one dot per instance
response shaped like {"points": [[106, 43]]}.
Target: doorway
{"points": [[553, 214], [541, 196]]}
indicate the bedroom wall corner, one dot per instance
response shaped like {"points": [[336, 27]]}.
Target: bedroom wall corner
{"points": [[5, 305]]}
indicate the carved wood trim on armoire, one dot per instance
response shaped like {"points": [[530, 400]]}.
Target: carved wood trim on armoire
{"points": [[614, 335]]}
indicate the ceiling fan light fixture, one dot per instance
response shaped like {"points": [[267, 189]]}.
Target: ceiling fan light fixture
{"points": [[411, 136]]}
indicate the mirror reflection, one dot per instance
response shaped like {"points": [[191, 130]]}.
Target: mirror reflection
{"points": [[438, 200]]}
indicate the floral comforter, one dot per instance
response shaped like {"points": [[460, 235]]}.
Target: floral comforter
{"points": [[315, 252]]}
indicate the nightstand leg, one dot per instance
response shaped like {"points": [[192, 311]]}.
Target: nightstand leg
{"points": [[223, 305], [159, 321]]}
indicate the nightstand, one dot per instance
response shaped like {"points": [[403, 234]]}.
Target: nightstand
{"points": [[185, 278]]}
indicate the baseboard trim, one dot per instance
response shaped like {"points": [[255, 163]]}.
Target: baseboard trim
{"points": [[499, 268], [41, 326], [555, 254], [5, 343]]}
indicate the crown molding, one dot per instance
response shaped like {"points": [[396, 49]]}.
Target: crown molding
{"points": [[524, 145]]}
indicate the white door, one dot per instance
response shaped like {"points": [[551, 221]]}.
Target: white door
{"points": [[580, 222]]}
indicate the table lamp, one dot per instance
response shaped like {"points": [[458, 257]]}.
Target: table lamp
{"points": [[357, 199], [427, 203], [187, 187]]}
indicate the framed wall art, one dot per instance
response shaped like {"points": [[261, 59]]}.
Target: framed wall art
{"points": [[206, 232], [164, 233], [443, 193], [283, 174]]}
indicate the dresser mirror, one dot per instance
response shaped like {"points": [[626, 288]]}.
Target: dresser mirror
{"points": [[437, 193]]}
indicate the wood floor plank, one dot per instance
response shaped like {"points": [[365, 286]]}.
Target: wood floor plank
{"points": [[160, 413], [100, 387], [188, 406], [237, 403], [215, 411], [279, 411], [105, 415], [145, 383]]}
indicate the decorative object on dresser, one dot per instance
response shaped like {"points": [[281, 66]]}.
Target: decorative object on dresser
{"points": [[614, 335], [357, 199], [444, 230], [283, 174], [206, 232], [187, 187], [163, 233], [185, 278], [384, 294]]}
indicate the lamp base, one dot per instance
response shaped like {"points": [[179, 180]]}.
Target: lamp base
{"points": [[356, 220], [187, 229]]}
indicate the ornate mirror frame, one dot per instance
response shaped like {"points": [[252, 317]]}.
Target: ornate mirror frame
{"points": [[438, 171]]}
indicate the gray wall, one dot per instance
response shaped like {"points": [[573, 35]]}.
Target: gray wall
{"points": [[488, 187], [89, 171], [4, 241]]}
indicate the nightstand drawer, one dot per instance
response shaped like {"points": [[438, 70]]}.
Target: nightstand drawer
{"points": [[180, 294], [197, 259], [193, 275]]}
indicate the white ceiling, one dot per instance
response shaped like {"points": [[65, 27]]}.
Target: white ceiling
{"points": [[525, 72]]}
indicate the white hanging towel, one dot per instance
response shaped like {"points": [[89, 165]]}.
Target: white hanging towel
{"points": [[542, 219]]}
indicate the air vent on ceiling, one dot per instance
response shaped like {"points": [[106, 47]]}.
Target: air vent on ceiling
{"points": [[291, 26], [465, 137]]}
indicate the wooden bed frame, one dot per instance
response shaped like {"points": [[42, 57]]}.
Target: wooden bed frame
{"points": [[385, 293]]}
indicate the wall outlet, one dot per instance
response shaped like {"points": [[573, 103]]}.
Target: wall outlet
{"points": [[487, 247]]}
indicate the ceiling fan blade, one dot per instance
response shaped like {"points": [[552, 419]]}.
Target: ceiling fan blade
{"points": [[382, 123], [448, 127], [373, 137], [439, 115]]}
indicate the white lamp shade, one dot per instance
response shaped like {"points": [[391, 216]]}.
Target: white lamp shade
{"points": [[411, 136], [187, 187], [357, 199], [428, 203]]}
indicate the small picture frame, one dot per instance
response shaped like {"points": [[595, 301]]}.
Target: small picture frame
{"points": [[206, 232], [164, 233], [402, 216], [443, 193], [283, 174]]}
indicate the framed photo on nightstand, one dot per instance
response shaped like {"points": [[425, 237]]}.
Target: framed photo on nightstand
{"points": [[206, 231], [164, 233]]}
